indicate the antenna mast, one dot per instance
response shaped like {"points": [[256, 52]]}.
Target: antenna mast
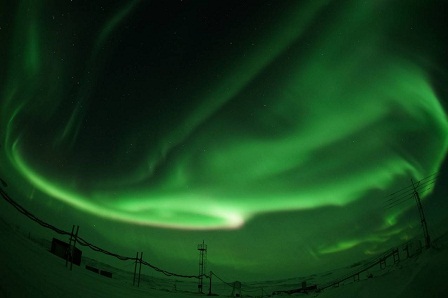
{"points": [[202, 260], [422, 215]]}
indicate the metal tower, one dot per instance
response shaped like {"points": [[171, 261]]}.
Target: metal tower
{"points": [[202, 260], [422, 215]]}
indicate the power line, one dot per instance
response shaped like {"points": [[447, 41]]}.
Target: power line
{"points": [[394, 199], [227, 283], [422, 217], [401, 199], [81, 241], [412, 191], [407, 192]]}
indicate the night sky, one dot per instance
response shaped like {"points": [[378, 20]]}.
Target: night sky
{"points": [[273, 130]]}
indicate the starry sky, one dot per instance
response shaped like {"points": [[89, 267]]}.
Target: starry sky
{"points": [[273, 130]]}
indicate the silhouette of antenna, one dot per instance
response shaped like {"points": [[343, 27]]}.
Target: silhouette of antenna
{"points": [[412, 191], [422, 214], [202, 260]]}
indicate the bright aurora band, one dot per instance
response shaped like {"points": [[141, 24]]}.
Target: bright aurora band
{"points": [[260, 128]]}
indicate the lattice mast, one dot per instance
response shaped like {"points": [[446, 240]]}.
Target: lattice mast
{"points": [[422, 215], [202, 248]]}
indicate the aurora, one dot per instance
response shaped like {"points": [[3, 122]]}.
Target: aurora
{"points": [[181, 122]]}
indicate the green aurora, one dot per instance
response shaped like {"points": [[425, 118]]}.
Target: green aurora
{"points": [[296, 115]]}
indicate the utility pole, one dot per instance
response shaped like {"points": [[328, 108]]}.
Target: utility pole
{"points": [[69, 254], [202, 259], [210, 285], [138, 260], [422, 215]]}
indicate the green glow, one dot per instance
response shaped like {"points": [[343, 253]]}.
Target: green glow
{"points": [[33, 50], [377, 238], [156, 213], [341, 246], [332, 121], [240, 73], [71, 129], [115, 21]]}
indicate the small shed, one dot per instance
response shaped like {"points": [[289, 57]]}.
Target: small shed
{"points": [[62, 249]]}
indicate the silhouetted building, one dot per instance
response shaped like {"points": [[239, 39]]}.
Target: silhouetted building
{"points": [[62, 249]]}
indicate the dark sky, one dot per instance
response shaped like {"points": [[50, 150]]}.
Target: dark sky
{"points": [[273, 130]]}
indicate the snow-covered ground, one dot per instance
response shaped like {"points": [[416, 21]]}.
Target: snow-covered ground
{"points": [[28, 269]]}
